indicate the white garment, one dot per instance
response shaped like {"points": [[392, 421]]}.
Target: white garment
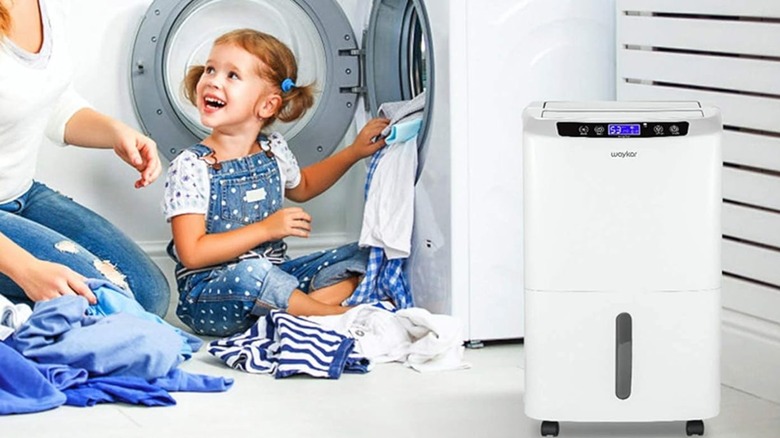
{"points": [[37, 99], [388, 214], [187, 187], [12, 316], [421, 340]]}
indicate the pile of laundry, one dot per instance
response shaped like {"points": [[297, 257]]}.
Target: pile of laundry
{"points": [[64, 351], [283, 345]]}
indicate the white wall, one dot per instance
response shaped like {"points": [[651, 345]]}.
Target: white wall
{"points": [[102, 35]]}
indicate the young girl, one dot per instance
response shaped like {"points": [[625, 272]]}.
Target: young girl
{"points": [[224, 196]]}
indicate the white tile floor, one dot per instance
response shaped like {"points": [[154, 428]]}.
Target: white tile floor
{"points": [[390, 401]]}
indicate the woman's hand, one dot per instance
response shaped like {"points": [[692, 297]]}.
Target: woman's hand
{"points": [[42, 280], [290, 221], [367, 141], [89, 128], [140, 152]]}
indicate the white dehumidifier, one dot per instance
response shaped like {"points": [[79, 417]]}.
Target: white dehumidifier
{"points": [[622, 205]]}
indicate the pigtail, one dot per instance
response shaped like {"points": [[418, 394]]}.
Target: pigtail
{"points": [[190, 83], [5, 21], [296, 102]]}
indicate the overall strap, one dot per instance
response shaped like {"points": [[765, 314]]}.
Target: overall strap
{"points": [[200, 150]]}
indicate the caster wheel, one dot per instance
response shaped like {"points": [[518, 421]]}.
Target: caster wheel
{"points": [[550, 428], [694, 427]]}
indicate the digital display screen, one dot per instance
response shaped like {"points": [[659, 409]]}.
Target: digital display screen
{"points": [[619, 129]]}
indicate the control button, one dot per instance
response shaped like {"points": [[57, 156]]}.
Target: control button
{"points": [[584, 129], [674, 129], [599, 130], [658, 129]]}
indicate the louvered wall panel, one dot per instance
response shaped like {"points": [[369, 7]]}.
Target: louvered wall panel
{"points": [[724, 53], [739, 110], [751, 224], [675, 33], [741, 8], [723, 73], [754, 188], [758, 151], [751, 262], [751, 298], [676, 50]]}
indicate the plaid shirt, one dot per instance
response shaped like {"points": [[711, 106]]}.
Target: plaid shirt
{"points": [[385, 278]]}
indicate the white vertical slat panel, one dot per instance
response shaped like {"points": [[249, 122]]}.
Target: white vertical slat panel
{"points": [[702, 70], [752, 262], [755, 38], [751, 298], [724, 53], [741, 8], [738, 110], [751, 188], [760, 151], [751, 224]]}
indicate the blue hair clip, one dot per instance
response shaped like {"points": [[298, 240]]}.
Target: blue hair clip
{"points": [[287, 85]]}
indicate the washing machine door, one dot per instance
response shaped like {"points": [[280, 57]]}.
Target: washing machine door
{"points": [[399, 60], [175, 35]]}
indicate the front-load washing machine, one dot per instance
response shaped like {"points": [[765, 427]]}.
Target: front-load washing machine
{"points": [[478, 62], [622, 262]]}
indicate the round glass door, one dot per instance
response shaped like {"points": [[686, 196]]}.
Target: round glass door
{"points": [[202, 22], [176, 35], [399, 60]]}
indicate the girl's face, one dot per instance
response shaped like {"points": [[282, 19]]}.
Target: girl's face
{"points": [[231, 95]]}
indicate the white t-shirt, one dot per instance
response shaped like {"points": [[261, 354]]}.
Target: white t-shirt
{"points": [[37, 100], [187, 187]]}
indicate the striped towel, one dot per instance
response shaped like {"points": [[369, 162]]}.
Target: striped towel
{"points": [[284, 345]]}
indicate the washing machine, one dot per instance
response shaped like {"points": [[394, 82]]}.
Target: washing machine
{"points": [[622, 262], [479, 63]]}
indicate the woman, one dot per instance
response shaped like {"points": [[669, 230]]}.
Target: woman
{"points": [[49, 244]]}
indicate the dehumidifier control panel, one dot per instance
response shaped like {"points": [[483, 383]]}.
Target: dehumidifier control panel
{"points": [[622, 129]]}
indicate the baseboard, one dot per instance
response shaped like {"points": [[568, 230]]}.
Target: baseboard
{"points": [[751, 355]]}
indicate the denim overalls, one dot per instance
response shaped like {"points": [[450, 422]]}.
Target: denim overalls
{"points": [[225, 299]]}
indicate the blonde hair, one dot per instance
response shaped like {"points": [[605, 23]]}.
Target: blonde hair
{"points": [[5, 21], [278, 64]]}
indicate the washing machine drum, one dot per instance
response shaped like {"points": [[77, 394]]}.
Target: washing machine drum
{"points": [[175, 35]]}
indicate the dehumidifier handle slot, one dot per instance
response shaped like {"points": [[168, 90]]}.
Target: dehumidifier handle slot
{"points": [[623, 356]]}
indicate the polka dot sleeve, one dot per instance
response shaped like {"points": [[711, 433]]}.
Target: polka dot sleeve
{"points": [[288, 164], [186, 187]]}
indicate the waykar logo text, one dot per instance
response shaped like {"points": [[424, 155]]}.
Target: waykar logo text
{"points": [[626, 154]]}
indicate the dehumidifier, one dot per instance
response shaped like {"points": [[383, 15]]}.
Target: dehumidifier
{"points": [[622, 234]]}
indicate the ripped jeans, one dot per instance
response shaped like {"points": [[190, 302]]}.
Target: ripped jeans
{"points": [[53, 227]]}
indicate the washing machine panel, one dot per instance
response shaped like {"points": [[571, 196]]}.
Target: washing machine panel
{"points": [[494, 58]]}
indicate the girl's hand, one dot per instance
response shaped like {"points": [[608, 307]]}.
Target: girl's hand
{"points": [[290, 221], [368, 141], [140, 152], [44, 280]]}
